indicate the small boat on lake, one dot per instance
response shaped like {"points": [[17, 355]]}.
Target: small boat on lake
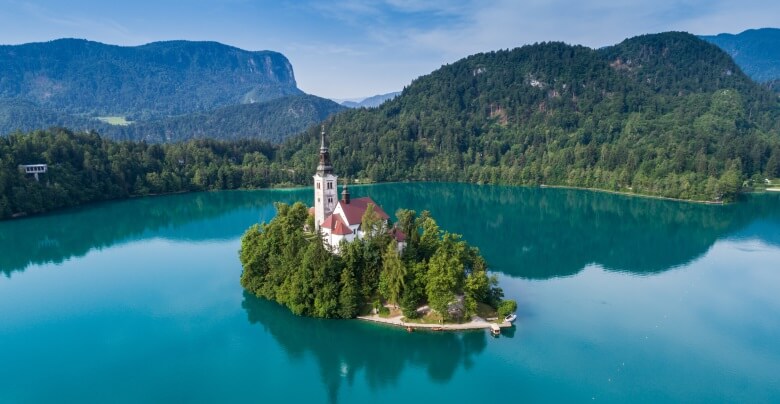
{"points": [[510, 318]]}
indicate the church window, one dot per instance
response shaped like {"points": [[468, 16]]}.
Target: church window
{"points": [[318, 200], [330, 200], [318, 185], [330, 185]]}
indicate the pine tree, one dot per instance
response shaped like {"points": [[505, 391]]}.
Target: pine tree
{"points": [[392, 278], [348, 296]]}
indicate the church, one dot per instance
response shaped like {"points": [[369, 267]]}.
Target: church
{"points": [[340, 219]]}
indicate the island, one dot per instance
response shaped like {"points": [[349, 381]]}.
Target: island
{"points": [[343, 258]]}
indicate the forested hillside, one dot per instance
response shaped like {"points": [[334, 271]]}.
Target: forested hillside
{"points": [[273, 120], [159, 79], [84, 167], [26, 116], [665, 114]]}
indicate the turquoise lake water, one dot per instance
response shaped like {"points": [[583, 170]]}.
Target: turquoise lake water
{"points": [[621, 300]]}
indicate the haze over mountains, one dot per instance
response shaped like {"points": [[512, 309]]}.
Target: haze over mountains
{"points": [[756, 51], [371, 102]]}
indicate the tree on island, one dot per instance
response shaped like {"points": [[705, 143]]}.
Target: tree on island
{"points": [[284, 263]]}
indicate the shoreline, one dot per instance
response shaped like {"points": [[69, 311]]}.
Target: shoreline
{"points": [[634, 194], [288, 188], [397, 321]]}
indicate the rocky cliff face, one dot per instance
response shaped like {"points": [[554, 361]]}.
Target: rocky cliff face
{"points": [[158, 79]]}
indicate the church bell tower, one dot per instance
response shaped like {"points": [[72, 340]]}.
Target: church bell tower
{"points": [[325, 185]]}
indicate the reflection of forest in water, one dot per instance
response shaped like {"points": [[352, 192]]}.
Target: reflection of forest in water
{"points": [[525, 232], [344, 348], [542, 233], [194, 217]]}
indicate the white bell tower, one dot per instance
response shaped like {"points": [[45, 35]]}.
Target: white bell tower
{"points": [[325, 185]]}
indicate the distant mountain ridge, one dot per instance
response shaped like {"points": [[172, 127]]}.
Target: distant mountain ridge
{"points": [[757, 51], [371, 102], [76, 76], [171, 91]]}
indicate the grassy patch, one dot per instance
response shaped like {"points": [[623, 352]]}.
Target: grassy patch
{"points": [[431, 317], [485, 311], [114, 120]]}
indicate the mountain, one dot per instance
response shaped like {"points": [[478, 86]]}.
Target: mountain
{"points": [[371, 102], [757, 51], [273, 120], [80, 77], [665, 114]]}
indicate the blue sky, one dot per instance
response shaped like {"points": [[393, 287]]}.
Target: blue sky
{"points": [[355, 48]]}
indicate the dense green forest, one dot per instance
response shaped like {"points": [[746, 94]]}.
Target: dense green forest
{"points": [[757, 51], [159, 79], [273, 120], [84, 167], [26, 116], [282, 262], [665, 114]]}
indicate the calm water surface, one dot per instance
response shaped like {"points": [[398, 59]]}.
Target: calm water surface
{"points": [[621, 299]]}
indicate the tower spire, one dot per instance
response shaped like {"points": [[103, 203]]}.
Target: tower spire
{"points": [[324, 167]]}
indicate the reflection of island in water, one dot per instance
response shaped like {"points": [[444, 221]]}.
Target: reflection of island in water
{"points": [[342, 353], [59, 236], [526, 232]]}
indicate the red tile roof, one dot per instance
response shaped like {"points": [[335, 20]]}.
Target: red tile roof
{"points": [[336, 224], [398, 235], [341, 228], [356, 208]]}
